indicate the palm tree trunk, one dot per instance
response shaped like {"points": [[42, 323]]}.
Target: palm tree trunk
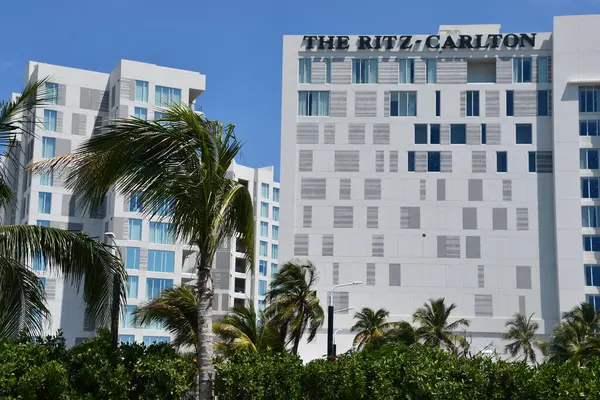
{"points": [[205, 366], [114, 313]]}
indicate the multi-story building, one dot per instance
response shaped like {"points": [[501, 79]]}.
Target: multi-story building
{"points": [[79, 100], [462, 164]]}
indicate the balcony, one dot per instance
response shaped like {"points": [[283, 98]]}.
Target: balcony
{"points": [[240, 265], [240, 285], [238, 246]]}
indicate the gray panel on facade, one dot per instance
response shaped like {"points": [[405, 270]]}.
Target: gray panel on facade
{"points": [[522, 309], [393, 161], [525, 103], [493, 134], [395, 277], [469, 218], [125, 88], [379, 161], [215, 302], [341, 71], [475, 190], [410, 217], [522, 219], [85, 98], [103, 96], [420, 161], [222, 260], [441, 189], [307, 133], [74, 226], [474, 134], [143, 255], [59, 121], [345, 189], [504, 69], [301, 244], [473, 246], [386, 103], [483, 305], [507, 190], [444, 134], [356, 133], [372, 217], [388, 71], [420, 70], [327, 246], [341, 300], [224, 284], [365, 104], [478, 161], [62, 147], [307, 217], [372, 189], [343, 217], [305, 160], [313, 188], [336, 274], [492, 103], [62, 94], [329, 134], [78, 124], [445, 161], [480, 276], [318, 70], [451, 70], [499, 219], [58, 224], [422, 189], [381, 134], [50, 289], [371, 278], [448, 246], [338, 106], [225, 302], [544, 163], [346, 161], [463, 103], [377, 246], [523, 277], [68, 209]]}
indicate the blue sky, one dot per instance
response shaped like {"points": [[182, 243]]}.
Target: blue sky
{"points": [[236, 43]]}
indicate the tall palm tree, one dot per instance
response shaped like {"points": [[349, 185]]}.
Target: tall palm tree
{"points": [[521, 332], [181, 158], [370, 325], [434, 328], [585, 314], [294, 304]]}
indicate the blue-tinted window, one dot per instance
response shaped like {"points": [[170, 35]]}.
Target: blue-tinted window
{"points": [[433, 161], [274, 268], [588, 98], [420, 133], [150, 340], [48, 147], [161, 261], [141, 91], [47, 179], [431, 70], [304, 70], [590, 216], [263, 250], [522, 70], [43, 222], [501, 161], [135, 229], [164, 96], [524, 134], [44, 203], [132, 287], [276, 195], [589, 127], [264, 228], [262, 267], [155, 285], [132, 258], [51, 94], [458, 134], [472, 103], [592, 275], [313, 104], [510, 103], [261, 305], [434, 134], [127, 317], [38, 262], [127, 339], [483, 134], [274, 251], [438, 103], [264, 190], [275, 232], [161, 233], [141, 113], [264, 210], [532, 163], [543, 105], [364, 70], [403, 104], [411, 161], [407, 70], [328, 70], [50, 120], [275, 213], [588, 159], [135, 203], [589, 188], [262, 287]]}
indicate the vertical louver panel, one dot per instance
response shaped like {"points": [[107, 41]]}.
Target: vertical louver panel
{"points": [[446, 161], [422, 189], [372, 189], [318, 71], [338, 103], [507, 190], [301, 244], [59, 121], [452, 70], [393, 161], [78, 124], [473, 134], [379, 161], [343, 217], [356, 133], [307, 217], [483, 305], [346, 161], [305, 160], [381, 134], [345, 189], [420, 161], [388, 71], [378, 246], [341, 71], [420, 67], [522, 219], [444, 134], [336, 274], [329, 134], [463, 103], [125, 89], [544, 162], [327, 246], [504, 68], [313, 188], [307, 133], [493, 134], [62, 94], [492, 103], [525, 103], [386, 103], [448, 246], [410, 217], [365, 104], [478, 161], [371, 274], [480, 276], [372, 217]]}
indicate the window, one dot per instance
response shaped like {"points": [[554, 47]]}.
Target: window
{"points": [[132, 258], [438, 103], [48, 147], [51, 96], [364, 71], [501, 161], [42, 222], [161, 261], [132, 287], [263, 249], [328, 70], [135, 202], [165, 208], [274, 251], [150, 340], [274, 268], [262, 287], [420, 134], [483, 133], [47, 179], [411, 161], [127, 317], [261, 305], [472, 103], [161, 232], [135, 229], [434, 134], [141, 91], [591, 243], [532, 161], [543, 69], [588, 159], [458, 134], [264, 190], [592, 275], [589, 188], [433, 161], [264, 210], [262, 267], [403, 104], [594, 299], [275, 213], [590, 216], [407, 70], [510, 103], [156, 285], [588, 98], [164, 96], [304, 65], [522, 70], [44, 203], [127, 339], [50, 120], [113, 95], [543, 103], [159, 115], [276, 195], [141, 113], [38, 262], [313, 104], [588, 128], [275, 232], [431, 70], [524, 135], [264, 228]]}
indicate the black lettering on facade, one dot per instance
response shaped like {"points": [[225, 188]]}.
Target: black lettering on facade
{"points": [[433, 42], [310, 41], [464, 42], [525, 38], [449, 43], [495, 40], [343, 43], [377, 43], [328, 42], [479, 42], [405, 42], [511, 41], [389, 41], [364, 42]]}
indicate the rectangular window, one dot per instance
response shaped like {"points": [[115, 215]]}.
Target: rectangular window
{"points": [[472, 103], [275, 251], [127, 339], [264, 190], [524, 133], [588, 98], [44, 203], [411, 161], [592, 275], [50, 120], [127, 317], [420, 133], [135, 202], [275, 213], [403, 104], [164, 96], [150, 340], [522, 70], [590, 216], [264, 210], [543, 105], [262, 287], [132, 287], [532, 161], [274, 268], [304, 67], [48, 147], [458, 134], [407, 70], [433, 161], [588, 159], [275, 232], [263, 250], [328, 70], [591, 243], [141, 91], [132, 258], [42, 222], [155, 285], [51, 95], [434, 134], [262, 268], [510, 103], [313, 104], [161, 261], [589, 188], [438, 103], [483, 133], [276, 195], [264, 228], [135, 229], [589, 128], [431, 70], [38, 262], [364, 71], [501, 161], [47, 179], [161, 232], [543, 67], [141, 113]]}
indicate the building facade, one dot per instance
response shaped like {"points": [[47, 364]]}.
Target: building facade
{"points": [[79, 101], [462, 165]]}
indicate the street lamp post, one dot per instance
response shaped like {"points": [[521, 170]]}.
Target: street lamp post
{"points": [[334, 344], [114, 310], [330, 313]]}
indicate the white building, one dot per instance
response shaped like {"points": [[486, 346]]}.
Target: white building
{"points": [[445, 165], [80, 101]]}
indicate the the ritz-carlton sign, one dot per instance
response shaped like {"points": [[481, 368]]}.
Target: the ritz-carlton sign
{"points": [[432, 42]]}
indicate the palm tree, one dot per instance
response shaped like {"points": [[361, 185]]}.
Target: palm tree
{"points": [[521, 331], [78, 258], [434, 328], [294, 305], [182, 159], [585, 314], [370, 325]]}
